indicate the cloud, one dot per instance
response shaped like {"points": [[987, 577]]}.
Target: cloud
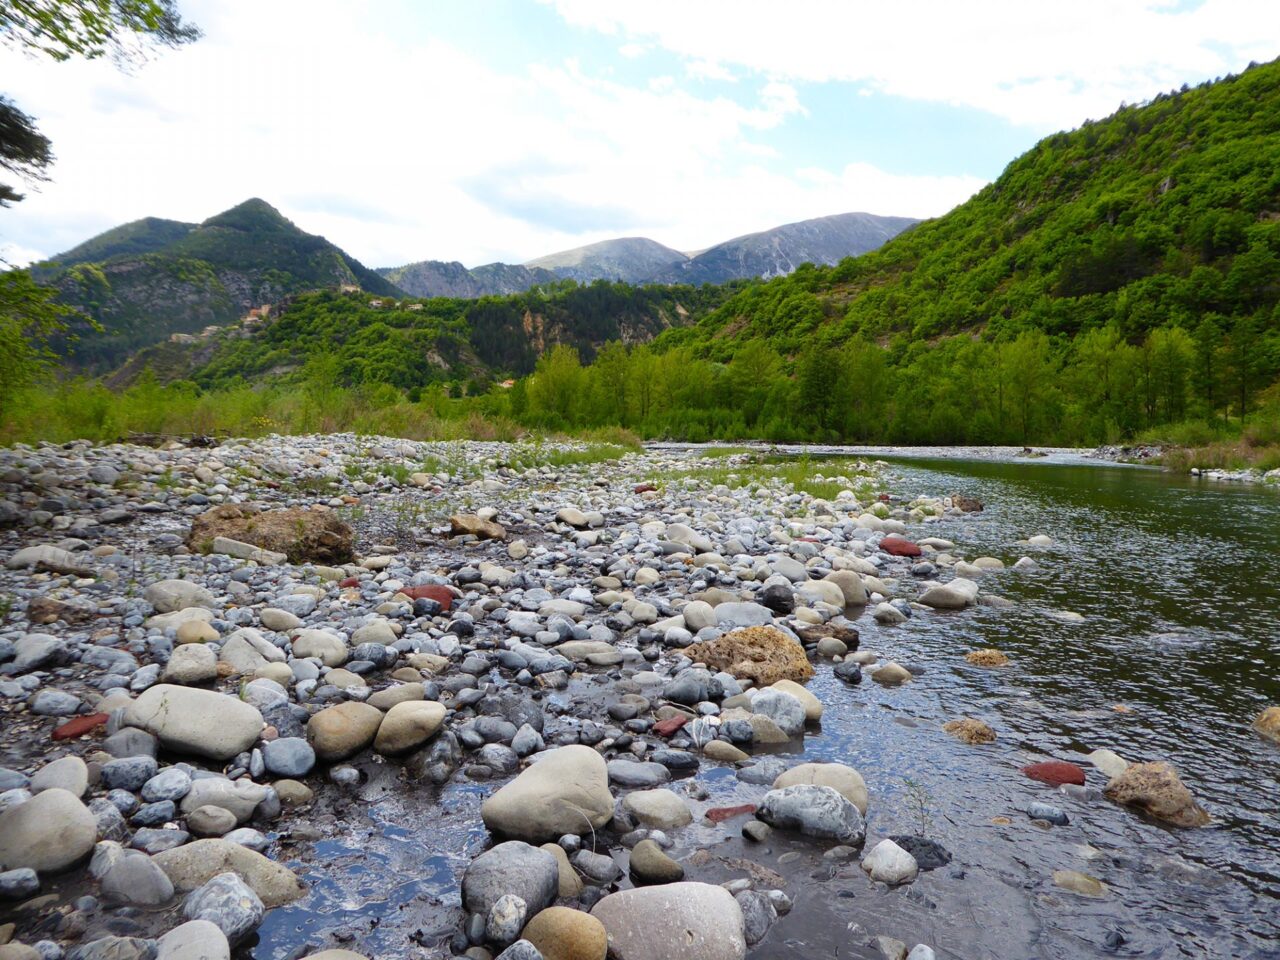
{"points": [[369, 125], [1048, 66]]}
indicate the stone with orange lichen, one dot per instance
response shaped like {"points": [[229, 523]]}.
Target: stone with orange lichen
{"points": [[763, 654]]}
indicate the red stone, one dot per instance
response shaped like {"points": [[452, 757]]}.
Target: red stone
{"points": [[899, 547], [644, 488], [1055, 773], [665, 728], [431, 591], [349, 582], [79, 726], [883, 498], [716, 814]]}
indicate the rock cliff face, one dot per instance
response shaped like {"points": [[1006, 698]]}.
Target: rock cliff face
{"points": [[436, 278], [777, 252]]}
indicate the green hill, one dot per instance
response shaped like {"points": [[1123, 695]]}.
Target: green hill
{"points": [[147, 235], [147, 280], [1114, 278]]}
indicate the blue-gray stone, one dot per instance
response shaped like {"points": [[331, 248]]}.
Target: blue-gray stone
{"points": [[128, 773]]}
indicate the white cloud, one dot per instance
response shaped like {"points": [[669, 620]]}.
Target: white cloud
{"points": [[1049, 66], [361, 124]]}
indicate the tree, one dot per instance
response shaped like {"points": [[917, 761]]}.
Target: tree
{"points": [[24, 151], [29, 318], [63, 29]]}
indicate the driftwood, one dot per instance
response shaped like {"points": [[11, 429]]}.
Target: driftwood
{"points": [[159, 439]]}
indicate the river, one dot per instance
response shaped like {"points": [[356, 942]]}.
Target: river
{"points": [[1177, 652]]}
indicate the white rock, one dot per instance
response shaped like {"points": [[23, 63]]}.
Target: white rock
{"points": [[889, 863]]}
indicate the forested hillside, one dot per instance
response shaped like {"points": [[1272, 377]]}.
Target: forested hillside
{"points": [[1115, 278], [152, 278], [410, 344]]}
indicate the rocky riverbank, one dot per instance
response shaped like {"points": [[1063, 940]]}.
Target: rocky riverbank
{"points": [[211, 656]]}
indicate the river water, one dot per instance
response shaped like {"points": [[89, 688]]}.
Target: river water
{"points": [[1178, 650]]}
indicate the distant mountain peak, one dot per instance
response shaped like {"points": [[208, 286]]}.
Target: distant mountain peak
{"points": [[253, 214], [768, 253]]}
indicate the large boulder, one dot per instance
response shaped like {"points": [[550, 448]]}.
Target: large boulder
{"points": [[514, 867], [343, 730], [317, 535], [763, 654], [673, 921], [51, 831], [815, 811], [845, 780], [196, 863], [565, 791], [1155, 789], [190, 720]]}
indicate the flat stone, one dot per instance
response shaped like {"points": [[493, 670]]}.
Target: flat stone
{"points": [[47, 833], [190, 720], [673, 921]]}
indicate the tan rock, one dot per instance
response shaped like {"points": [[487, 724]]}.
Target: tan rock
{"points": [[463, 523], [969, 730], [300, 534], [763, 654], [198, 862], [987, 658], [408, 724], [1156, 789], [570, 882], [1268, 723], [812, 705], [196, 631], [561, 933], [892, 675], [843, 779], [343, 730], [724, 751]]}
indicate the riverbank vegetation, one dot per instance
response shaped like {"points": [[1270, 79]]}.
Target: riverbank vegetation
{"points": [[1116, 282]]}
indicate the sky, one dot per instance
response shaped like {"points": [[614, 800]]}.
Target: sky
{"points": [[407, 130]]}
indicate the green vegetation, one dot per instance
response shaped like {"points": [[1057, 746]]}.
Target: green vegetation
{"points": [[825, 479], [1115, 279], [1118, 281], [67, 29], [144, 281]]}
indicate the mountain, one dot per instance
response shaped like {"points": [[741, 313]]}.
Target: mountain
{"points": [[147, 235], [777, 252], [147, 280], [629, 259], [436, 278], [770, 253]]}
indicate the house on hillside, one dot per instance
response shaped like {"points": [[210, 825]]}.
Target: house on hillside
{"points": [[375, 303], [414, 306], [348, 288], [507, 384]]}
